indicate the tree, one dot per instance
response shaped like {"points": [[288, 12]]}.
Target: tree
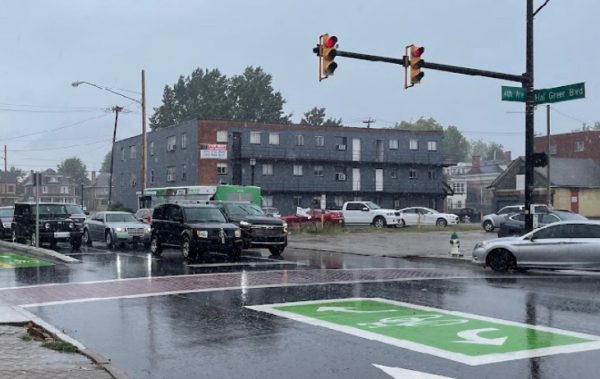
{"points": [[421, 124], [456, 147], [74, 168], [586, 127], [487, 150], [106, 162], [316, 117], [211, 95]]}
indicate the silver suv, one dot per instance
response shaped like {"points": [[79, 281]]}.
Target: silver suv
{"points": [[493, 220]]}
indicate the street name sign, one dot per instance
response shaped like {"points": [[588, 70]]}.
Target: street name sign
{"points": [[462, 337], [546, 95], [12, 260]]}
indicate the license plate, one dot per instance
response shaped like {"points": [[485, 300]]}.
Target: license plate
{"points": [[61, 234]]}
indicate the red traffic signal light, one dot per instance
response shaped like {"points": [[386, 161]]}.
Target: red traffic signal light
{"points": [[330, 42], [326, 50], [414, 61]]}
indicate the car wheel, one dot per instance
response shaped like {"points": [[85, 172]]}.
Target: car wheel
{"points": [[488, 226], [276, 250], [186, 248], [441, 222], [500, 260], [402, 224], [109, 239], [87, 240], [155, 247], [379, 222]]}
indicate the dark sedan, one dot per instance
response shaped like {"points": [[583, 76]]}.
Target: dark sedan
{"points": [[515, 225]]}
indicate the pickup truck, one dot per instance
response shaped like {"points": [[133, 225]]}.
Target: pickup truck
{"points": [[369, 213]]}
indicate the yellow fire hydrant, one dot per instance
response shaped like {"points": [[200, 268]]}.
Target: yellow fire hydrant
{"points": [[455, 245]]}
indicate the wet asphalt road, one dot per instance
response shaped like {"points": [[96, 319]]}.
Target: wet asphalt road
{"points": [[212, 335]]}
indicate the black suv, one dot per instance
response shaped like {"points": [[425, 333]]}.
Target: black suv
{"points": [[55, 224], [258, 229], [195, 229]]}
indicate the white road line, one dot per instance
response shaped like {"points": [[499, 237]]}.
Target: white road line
{"points": [[402, 373], [232, 264]]}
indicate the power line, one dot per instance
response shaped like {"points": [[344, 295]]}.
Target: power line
{"points": [[55, 129], [62, 147]]}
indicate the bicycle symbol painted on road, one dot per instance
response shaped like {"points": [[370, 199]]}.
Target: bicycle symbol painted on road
{"points": [[416, 320]]}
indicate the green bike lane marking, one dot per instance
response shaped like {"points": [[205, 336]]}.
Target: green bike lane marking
{"points": [[462, 337], [13, 260]]}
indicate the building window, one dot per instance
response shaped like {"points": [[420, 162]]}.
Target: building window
{"points": [[171, 143], [318, 170], [222, 136], [552, 149], [151, 176], [340, 174], [222, 168], [393, 144], [255, 138], [122, 153], [319, 141], [132, 180], [184, 172], [338, 201], [299, 140], [432, 145], [273, 138], [151, 148], [184, 141], [267, 169], [458, 188], [11, 188], [412, 173], [44, 189], [267, 201], [297, 170], [459, 204], [171, 174], [396, 203], [298, 201], [394, 172], [64, 189], [132, 152], [431, 174], [579, 146], [413, 144]]}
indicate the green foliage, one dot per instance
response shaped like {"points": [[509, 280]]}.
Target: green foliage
{"points": [[74, 168], [487, 150], [106, 162], [455, 146], [316, 117], [421, 124], [586, 127], [211, 95], [119, 207]]}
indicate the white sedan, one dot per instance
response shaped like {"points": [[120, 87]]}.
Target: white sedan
{"points": [[426, 216]]}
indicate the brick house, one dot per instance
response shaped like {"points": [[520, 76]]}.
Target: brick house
{"points": [[55, 188], [583, 144], [8, 188]]}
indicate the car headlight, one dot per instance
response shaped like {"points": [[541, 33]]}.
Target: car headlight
{"points": [[47, 225], [285, 227], [479, 245], [146, 230], [245, 223], [237, 233], [119, 230], [389, 214], [202, 233], [71, 225]]}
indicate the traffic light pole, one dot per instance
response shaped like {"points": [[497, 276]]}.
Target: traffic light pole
{"points": [[529, 125]]}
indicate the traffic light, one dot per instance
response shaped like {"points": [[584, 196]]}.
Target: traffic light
{"points": [[416, 63], [540, 160], [326, 50]]}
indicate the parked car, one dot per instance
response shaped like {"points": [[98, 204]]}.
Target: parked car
{"points": [[76, 214], [270, 211], [304, 215], [467, 215], [258, 229], [194, 228], [6, 218], [144, 215], [560, 245], [493, 220], [514, 225], [369, 213], [115, 227], [55, 224], [426, 216]]}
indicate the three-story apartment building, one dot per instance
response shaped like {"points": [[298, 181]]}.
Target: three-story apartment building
{"points": [[295, 165]]}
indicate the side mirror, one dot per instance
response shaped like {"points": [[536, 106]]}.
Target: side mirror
{"points": [[365, 209]]}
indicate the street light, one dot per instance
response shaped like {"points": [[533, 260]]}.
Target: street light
{"points": [[142, 102]]}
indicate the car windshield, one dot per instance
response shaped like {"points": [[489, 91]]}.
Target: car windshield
{"points": [[120, 217], [204, 215], [568, 216], [52, 209], [73, 209], [372, 205], [7, 212], [241, 210]]}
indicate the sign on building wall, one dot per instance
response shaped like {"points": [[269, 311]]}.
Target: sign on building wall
{"points": [[213, 151]]}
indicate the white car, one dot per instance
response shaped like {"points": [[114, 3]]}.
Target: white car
{"points": [[426, 216]]}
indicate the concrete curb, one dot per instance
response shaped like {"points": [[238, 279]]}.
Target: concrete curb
{"points": [[38, 252], [19, 315]]}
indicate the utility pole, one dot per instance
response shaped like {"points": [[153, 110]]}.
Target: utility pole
{"points": [[548, 194], [115, 109], [144, 140], [529, 121], [369, 121], [5, 160]]}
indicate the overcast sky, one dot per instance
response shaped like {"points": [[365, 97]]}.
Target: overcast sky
{"points": [[49, 44]]}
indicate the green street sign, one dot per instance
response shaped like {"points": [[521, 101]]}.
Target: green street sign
{"points": [[547, 95], [462, 337], [12, 260]]}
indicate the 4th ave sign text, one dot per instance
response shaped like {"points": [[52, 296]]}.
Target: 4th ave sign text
{"points": [[547, 95]]}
